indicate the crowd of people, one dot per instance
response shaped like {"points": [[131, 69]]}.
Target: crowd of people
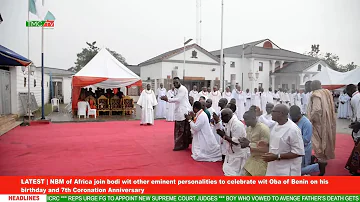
{"points": [[255, 134]]}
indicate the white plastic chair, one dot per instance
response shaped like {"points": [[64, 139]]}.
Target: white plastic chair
{"points": [[82, 106], [91, 112], [55, 103]]}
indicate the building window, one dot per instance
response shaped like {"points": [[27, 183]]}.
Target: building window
{"points": [[293, 87], [260, 85], [232, 64], [34, 83], [319, 68], [260, 66], [24, 82], [284, 86], [47, 84]]}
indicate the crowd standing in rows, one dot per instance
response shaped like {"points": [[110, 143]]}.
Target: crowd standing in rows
{"points": [[260, 133]]}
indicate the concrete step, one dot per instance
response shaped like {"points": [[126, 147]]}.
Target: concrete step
{"points": [[7, 120], [9, 127]]}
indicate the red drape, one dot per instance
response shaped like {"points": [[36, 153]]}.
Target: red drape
{"points": [[332, 87]]}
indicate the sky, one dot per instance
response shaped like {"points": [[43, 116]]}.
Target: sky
{"points": [[142, 29]]}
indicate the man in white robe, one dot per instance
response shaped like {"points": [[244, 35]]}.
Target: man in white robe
{"points": [[276, 97], [248, 100], [286, 146], [170, 107], [194, 93], [147, 102], [355, 107], [203, 93], [306, 98], [267, 118], [161, 108], [270, 96], [344, 101], [209, 106], [297, 99], [292, 97], [219, 125], [236, 155], [182, 134], [263, 100], [204, 146], [256, 98], [287, 98], [239, 96], [215, 96], [227, 94]]}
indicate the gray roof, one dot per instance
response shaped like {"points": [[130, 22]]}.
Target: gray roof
{"points": [[134, 68], [292, 67], [57, 72], [252, 49], [171, 53]]}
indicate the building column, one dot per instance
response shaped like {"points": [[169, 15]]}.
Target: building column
{"points": [[281, 64], [273, 65], [273, 82], [253, 73]]}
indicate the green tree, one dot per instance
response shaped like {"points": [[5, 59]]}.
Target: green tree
{"points": [[332, 60], [88, 53], [315, 50]]}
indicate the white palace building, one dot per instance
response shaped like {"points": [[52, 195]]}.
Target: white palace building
{"points": [[256, 64]]}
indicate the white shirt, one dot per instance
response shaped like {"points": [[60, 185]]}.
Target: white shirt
{"points": [[194, 94], [355, 106], [182, 104], [283, 139], [267, 120]]}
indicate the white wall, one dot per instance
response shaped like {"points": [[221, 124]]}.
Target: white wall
{"points": [[288, 79], [67, 89], [201, 57], [192, 70], [232, 70], [36, 90], [153, 71]]}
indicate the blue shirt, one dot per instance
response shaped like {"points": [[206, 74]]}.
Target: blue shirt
{"points": [[306, 129]]}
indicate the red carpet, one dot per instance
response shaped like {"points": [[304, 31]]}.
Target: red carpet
{"points": [[112, 148]]}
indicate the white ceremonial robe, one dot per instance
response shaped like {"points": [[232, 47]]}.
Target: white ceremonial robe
{"points": [[227, 95], [263, 101], [343, 112], [248, 101], [282, 98], [267, 120], [355, 109], [211, 111], [195, 95], [161, 107], [204, 146], [222, 142], [297, 100], [240, 103], [235, 156], [283, 139], [306, 102], [205, 94], [292, 98], [215, 97], [256, 99], [270, 97], [276, 98], [147, 101], [170, 107], [181, 101], [287, 98]]}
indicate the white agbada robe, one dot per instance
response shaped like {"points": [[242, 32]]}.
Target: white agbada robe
{"points": [[306, 102], [205, 94], [161, 107], [287, 98], [282, 97], [181, 101], [270, 97], [263, 101], [248, 101], [276, 97], [283, 139], [292, 98], [215, 97], [147, 101], [211, 111], [236, 156], [204, 146], [256, 99], [222, 142], [170, 107], [343, 108], [227, 95], [195, 95], [240, 103], [297, 100]]}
